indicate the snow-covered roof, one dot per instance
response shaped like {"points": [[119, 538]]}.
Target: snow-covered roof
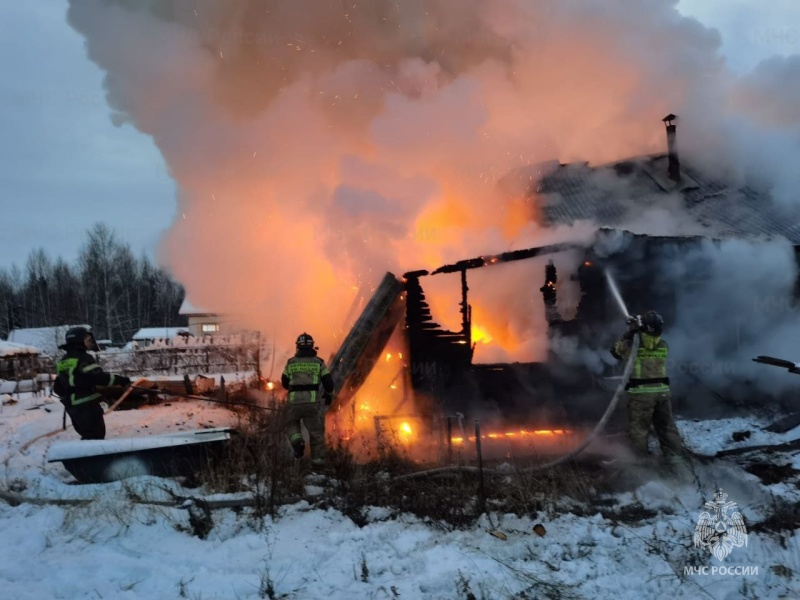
{"points": [[46, 339], [612, 195], [12, 349], [187, 308], [155, 333]]}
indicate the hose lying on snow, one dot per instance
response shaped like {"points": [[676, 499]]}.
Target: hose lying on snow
{"points": [[124, 395], [139, 385], [601, 424]]}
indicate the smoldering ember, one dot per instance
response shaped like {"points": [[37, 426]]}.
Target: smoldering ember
{"points": [[453, 306]]}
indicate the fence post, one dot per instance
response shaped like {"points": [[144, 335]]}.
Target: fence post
{"points": [[481, 488]]}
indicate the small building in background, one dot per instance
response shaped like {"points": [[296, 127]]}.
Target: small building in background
{"points": [[147, 336], [18, 361], [45, 339], [106, 344], [202, 322]]}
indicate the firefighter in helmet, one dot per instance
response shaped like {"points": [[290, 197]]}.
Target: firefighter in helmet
{"points": [[78, 376], [649, 396], [303, 375]]}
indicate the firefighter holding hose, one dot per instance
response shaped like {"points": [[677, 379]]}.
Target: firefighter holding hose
{"points": [[77, 382], [303, 375], [649, 396]]}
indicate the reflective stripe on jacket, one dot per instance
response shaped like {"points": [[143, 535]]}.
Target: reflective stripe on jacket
{"points": [[77, 375], [649, 375], [304, 375]]}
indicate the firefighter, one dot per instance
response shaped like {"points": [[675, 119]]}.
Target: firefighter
{"points": [[303, 374], [649, 397], [78, 376]]}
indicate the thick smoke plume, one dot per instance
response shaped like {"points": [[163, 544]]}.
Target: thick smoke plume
{"points": [[734, 302], [317, 144]]}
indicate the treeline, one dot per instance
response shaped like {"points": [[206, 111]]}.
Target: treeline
{"points": [[108, 288]]}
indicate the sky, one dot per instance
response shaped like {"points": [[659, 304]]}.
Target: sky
{"points": [[65, 166]]}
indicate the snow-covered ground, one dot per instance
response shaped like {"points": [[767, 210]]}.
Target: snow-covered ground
{"points": [[115, 548]]}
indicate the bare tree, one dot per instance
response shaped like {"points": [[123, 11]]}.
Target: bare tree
{"points": [[39, 272], [20, 314], [127, 272], [99, 277], [7, 303], [109, 289], [67, 295]]}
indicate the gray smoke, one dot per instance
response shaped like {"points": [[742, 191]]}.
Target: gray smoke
{"points": [[317, 144], [725, 302], [734, 301]]}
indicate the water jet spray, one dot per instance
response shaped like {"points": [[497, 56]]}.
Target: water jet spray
{"points": [[617, 296]]}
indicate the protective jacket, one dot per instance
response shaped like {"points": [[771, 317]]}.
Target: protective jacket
{"points": [[78, 374], [649, 375], [303, 374]]}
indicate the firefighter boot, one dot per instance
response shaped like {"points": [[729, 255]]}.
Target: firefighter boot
{"points": [[299, 448]]}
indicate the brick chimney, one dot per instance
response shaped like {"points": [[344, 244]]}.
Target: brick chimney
{"points": [[674, 165]]}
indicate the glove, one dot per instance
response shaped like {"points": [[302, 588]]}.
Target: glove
{"points": [[122, 380], [633, 328], [327, 398]]}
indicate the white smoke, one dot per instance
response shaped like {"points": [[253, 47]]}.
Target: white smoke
{"points": [[317, 144]]}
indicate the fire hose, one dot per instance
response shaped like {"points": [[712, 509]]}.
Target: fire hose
{"points": [[63, 427], [598, 429], [198, 397], [137, 386]]}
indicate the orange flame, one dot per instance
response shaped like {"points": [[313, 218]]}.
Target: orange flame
{"points": [[480, 335], [512, 434], [405, 433]]}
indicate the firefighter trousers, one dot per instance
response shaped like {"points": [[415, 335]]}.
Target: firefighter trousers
{"points": [[309, 414], [654, 409], [87, 420]]}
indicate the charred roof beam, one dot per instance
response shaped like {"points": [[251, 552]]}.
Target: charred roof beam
{"points": [[484, 261]]}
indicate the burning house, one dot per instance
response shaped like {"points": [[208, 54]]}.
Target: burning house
{"points": [[649, 213]]}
